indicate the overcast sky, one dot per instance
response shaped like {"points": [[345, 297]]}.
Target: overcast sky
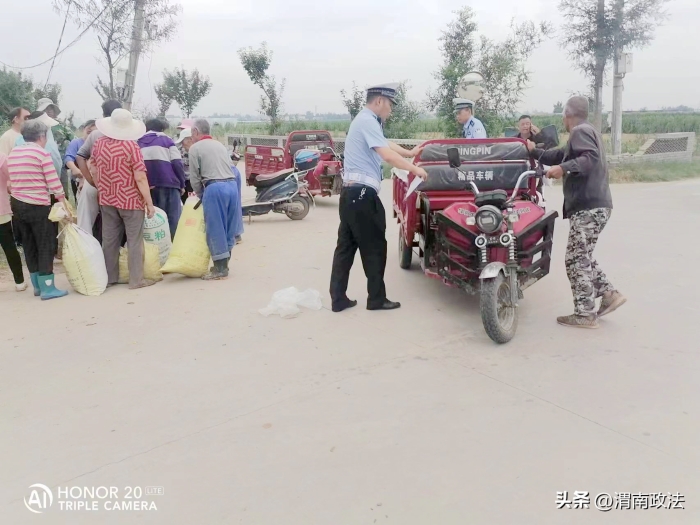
{"points": [[322, 50]]}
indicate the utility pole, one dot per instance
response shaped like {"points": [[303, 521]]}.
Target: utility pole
{"points": [[618, 87], [619, 70], [134, 52]]}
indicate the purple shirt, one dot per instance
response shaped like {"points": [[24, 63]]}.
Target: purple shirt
{"points": [[163, 161]]}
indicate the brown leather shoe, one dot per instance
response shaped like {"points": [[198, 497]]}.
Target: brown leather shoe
{"points": [[579, 321], [610, 302]]}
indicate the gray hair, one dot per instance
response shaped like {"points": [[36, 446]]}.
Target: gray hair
{"points": [[33, 130], [202, 125], [577, 107]]}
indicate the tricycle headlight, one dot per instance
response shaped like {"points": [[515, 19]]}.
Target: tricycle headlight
{"points": [[489, 219]]}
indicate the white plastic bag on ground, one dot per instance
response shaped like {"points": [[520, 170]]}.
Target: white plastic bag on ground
{"points": [[285, 302], [156, 230], [83, 258]]}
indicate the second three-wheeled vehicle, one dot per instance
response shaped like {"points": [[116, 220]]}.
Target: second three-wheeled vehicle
{"points": [[323, 179], [477, 223]]}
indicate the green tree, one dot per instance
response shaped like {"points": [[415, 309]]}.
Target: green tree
{"points": [[355, 102], [558, 108], [404, 115], [501, 63], [112, 23], [165, 98], [15, 91], [256, 62], [593, 30], [52, 91], [185, 88]]}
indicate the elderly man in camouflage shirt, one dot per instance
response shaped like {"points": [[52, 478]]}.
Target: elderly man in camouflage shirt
{"points": [[587, 205]]}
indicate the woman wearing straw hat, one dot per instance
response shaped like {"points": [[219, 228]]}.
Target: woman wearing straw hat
{"points": [[123, 193]]}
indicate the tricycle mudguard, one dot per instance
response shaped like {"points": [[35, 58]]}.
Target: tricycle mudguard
{"points": [[491, 270]]}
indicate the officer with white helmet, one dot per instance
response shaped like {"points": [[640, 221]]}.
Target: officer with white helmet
{"points": [[362, 215], [472, 126]]}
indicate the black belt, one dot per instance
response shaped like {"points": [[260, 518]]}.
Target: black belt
{"points": [[214, 181]]}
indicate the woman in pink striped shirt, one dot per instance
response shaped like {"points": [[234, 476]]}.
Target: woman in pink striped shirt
{"points": [[33, 179]]}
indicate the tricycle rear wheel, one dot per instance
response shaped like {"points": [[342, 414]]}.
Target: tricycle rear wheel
{"points": [[405, 252], [500, 320]]}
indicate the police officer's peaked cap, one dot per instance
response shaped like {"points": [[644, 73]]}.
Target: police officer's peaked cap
{"points": [[462, 103], [384, 90]]}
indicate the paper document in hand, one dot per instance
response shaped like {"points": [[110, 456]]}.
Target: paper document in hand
{"points": [[414, 184]]}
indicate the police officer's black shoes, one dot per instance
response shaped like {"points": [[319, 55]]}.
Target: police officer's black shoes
{"points": [[386, 305], [343, 305]]}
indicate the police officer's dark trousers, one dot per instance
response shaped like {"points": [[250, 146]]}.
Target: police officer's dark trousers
{"points": [[363, 226]]}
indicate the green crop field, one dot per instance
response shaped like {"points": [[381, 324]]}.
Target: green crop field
{"points": [[632, 124], [642, 123]]}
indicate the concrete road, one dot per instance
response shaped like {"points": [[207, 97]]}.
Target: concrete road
{"points": [[405, 417]]}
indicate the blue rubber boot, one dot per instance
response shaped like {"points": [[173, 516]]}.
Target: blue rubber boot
{"points": [[35, 283], [48, 288]]}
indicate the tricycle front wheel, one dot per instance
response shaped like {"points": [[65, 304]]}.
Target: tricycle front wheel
{"points": [[405, 252], [499, 317]]}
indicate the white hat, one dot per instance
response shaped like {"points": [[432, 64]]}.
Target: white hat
{"points": [[389, 90], [44, 103], [121, 126], [48, 121], [462, 103], [184, 134]]}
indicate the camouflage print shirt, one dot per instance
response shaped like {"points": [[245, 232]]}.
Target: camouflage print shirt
{"points": [[185, 162], [63, 136]]}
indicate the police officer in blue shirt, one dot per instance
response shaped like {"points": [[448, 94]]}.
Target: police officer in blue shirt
{"points": [[362, 216], [473, 128]]}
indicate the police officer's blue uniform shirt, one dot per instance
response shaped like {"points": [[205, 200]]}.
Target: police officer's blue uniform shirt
{"points": [[474, 129], [361, 159]]}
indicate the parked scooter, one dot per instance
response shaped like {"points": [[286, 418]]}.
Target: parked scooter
{"points": [[285, 192]]}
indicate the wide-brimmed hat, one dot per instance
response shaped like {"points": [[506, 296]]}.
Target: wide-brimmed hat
{"points": [[184, 134], [121, 126], [44, 103], [48, 121], [186, 123]]}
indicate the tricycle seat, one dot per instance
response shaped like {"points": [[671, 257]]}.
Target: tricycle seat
{"points": [[269, 179]]}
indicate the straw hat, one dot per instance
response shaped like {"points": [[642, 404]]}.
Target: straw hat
{"points": [[121, 126]]}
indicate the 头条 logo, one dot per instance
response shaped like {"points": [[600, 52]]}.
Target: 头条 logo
{"points": [[40, 498]]}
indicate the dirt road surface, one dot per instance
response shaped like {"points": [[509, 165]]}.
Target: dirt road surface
{"points": [[405, 417]]}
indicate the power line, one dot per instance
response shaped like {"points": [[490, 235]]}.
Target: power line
{"points": [[58, 46], [89, 26]]}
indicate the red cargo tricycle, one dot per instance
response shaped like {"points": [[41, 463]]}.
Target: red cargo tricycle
{"points": [[477, 223], [324, 180]]}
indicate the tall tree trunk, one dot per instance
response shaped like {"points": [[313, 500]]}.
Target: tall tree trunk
{"points": [[599, 71]]}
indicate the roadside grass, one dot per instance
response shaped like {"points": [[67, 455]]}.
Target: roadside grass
{"points": [[655, 171]]}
